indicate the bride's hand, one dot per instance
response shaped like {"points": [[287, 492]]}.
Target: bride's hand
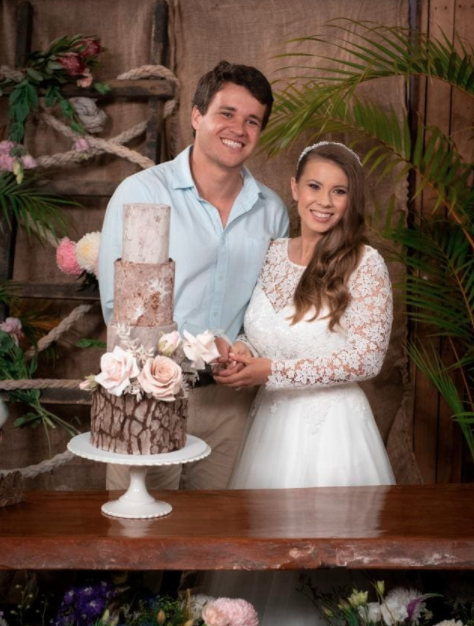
{"points": [[255, 372], [228, 365]]}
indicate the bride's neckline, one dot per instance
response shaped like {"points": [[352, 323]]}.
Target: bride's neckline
{"points": [[301, 267]]}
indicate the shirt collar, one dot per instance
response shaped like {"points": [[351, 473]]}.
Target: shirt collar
{"points": [[183, 179]]}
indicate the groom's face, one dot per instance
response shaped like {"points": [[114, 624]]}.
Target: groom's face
{"points": [[228, 133]]}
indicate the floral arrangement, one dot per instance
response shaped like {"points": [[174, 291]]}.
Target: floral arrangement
{"points": [[164, 376], [401, 606], [75, 258], [15, 158], [109, 604], [69, 59]]}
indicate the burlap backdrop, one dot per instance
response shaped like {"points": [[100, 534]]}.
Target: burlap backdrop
{"points": [[201, 33]]}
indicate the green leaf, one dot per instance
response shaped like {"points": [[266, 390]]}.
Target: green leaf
{"points": [[90, 343], [35, 74]]}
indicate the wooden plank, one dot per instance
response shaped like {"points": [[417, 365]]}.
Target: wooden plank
{"points": [[80, 188], [437, 112], [142, 88], [400, 527], [60, 291]]}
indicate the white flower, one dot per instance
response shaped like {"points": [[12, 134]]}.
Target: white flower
{"points": [[400, 604], [87, 252], [169, 343], [450, 622], [371, 613], [197, 603], [201, 349], [117, 368], [161, 377]]}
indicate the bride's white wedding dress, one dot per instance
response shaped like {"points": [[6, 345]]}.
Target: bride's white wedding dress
{"points": [[312, 424]]}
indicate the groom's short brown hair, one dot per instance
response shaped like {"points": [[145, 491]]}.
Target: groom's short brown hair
{"points": [[242, 75]]}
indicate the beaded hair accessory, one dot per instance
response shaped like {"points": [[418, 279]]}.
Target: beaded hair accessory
{"points": [[327, 143]]}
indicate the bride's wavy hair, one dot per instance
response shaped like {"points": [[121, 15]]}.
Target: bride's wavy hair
{"points": [[335, 257]]}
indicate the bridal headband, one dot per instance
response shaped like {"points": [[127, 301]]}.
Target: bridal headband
{"points": [[327, 143]]}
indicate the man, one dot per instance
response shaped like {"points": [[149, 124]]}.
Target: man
{"points": [[222, 221]]}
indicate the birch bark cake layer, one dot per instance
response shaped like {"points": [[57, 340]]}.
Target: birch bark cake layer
{"points": [[125, 418]]}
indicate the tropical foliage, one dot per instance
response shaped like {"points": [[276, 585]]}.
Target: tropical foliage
{"points": [[438, 245]]}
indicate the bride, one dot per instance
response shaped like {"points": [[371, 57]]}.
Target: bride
{"points": [[318, 322]]}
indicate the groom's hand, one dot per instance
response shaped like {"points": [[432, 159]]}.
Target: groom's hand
{"points": [[255, 372]]}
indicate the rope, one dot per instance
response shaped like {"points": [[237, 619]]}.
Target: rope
{"points": [[95, 142], [73, 156], [61, 328], [39, 383], [155, 71], [40, 468], [92, 118], [11, 74]]}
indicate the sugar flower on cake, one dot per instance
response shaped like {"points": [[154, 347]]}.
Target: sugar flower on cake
{"points": [[227, 611], [117, 369], [162, 378], [201, 349], [169, 343]]}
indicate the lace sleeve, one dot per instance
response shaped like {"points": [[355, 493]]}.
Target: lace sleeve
{"points": [[367, 321]]}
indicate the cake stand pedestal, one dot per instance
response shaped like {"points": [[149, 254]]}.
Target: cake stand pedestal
{"points": [[137, 503]]}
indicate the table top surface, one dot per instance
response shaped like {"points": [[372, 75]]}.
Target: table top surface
{"points": [[398, 527]]}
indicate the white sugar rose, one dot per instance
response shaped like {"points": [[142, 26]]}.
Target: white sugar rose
{"points": [[117, 368], [169, 343], [201, 349], [161, 377]]}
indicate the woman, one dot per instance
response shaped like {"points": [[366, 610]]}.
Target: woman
{"points": [[319, 321]]}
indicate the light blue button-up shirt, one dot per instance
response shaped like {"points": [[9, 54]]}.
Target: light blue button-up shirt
{"points": [[216, 267]]}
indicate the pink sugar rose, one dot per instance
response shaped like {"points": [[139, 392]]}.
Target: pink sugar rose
{"points": [[72, 63], [116, 370], [161, 377], [201, 349], [66, 257], [12, 325], [229, 612]]}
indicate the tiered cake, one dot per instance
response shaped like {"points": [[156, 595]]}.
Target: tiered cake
{"points": [[143, 311]]}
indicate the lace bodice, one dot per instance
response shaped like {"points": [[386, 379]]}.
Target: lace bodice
{"points": [[308, 353]]}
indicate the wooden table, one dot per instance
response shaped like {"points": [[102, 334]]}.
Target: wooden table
{"points": [[402, 527]]}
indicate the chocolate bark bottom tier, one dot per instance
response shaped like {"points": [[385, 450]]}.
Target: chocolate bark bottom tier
{"points": [[122, 424]]}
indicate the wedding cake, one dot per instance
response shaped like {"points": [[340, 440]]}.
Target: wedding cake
{"points": [[141, 410]]}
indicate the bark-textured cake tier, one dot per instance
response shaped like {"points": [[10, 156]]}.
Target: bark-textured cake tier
{"points": [[123, 425], [143, 294], [146, 336], [145, 236]]}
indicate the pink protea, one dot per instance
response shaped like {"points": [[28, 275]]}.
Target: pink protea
{"points": [[93, 47], [229, 612], [66, 257], [72, 63]]}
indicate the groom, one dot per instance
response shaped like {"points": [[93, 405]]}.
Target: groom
{"points": [[222, 221]]}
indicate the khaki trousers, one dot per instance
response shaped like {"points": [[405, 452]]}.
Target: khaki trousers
{"points": [[218, 415]]}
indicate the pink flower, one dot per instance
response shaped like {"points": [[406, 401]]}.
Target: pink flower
{"points": [[6, 147], [87, 80], [117, 368], [28, 161], [6, 162], [229, 612], [201, 349], [161, 377], [12, 325], [66, 257], [93, 47], [81, 145], [72, 63]]}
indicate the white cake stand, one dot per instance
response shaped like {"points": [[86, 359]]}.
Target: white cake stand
{"points": [[137, 503]]}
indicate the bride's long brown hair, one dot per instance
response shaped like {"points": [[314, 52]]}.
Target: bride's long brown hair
{"points": [[337, 253]]}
